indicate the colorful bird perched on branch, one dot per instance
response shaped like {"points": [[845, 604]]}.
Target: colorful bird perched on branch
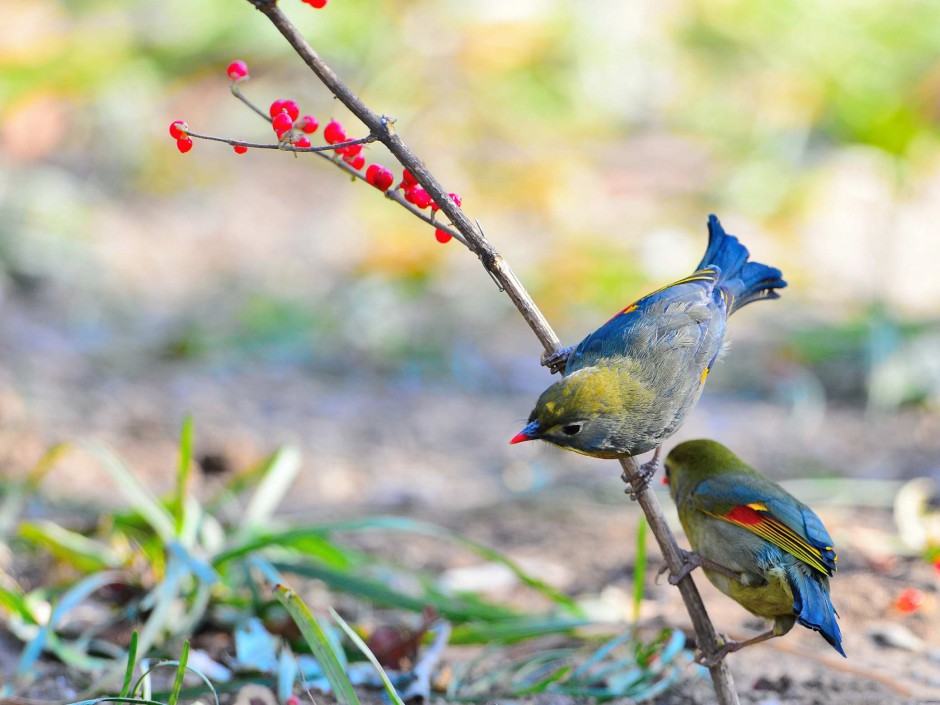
{"points": [[630, 384], [755, 541]]}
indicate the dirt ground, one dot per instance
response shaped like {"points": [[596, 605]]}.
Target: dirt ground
{"points": [[376, 444]]}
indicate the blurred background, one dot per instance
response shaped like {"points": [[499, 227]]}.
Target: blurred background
{"points": [[279, 303]]}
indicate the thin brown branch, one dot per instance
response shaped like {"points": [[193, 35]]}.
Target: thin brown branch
{"points": [[499, 270], [283, 146]]}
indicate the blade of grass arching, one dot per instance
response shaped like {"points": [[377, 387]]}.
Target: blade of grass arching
{"points": [[272, 488], [601, 653], [414, 526], [183, 471], [511, 630], [14, 601], [140, 498], [144, 679], [15, 496], [238, 483], [67, 602], [311, 542], [453, 608], [131, 664], [88, 555], [319, 643], [367, 652], [639, 569], [180, 672], [117, 699]]}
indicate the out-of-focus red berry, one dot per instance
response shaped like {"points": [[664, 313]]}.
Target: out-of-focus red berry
{"points": [[293, 700], [334, 132], [379, 176], [178, 129], [282, 123], [455, 197], [318, 4], [237, 70], [910, 600], [420, 197], [291, 108], [408, 180], [352, 150], [442, 236], [303, 142], [239, 148], [357, 162], [184, 144], [308, 124]]}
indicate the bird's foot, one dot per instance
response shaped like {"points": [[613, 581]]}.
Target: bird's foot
{"points": [[640, 480], [557, 361], [691, 561], [716, 657]]}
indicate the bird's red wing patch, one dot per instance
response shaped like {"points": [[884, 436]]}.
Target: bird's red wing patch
{"points": [[755, 518]]}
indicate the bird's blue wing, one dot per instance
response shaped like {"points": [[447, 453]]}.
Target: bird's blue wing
{"points": [[771, 513], [679, 312]]}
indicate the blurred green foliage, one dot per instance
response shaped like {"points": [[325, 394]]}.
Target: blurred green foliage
{"points": [[591, 140]]}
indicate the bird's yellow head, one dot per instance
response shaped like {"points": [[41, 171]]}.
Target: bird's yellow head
{"points": [[693, 461], [586, 411]]}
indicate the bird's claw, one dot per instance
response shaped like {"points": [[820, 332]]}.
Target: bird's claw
{"points": [[557, 360], [690, 561], [713, 659], [640, 480]]}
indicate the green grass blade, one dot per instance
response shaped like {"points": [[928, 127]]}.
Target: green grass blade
{"points": [[180, 672], [513, 630], [639, 570], [131, 664], [140, 498], [13, 600], [361, 645], [274, 485], [183, 471], [13, 500], [319, 643], [88, 555], [460, 609]]}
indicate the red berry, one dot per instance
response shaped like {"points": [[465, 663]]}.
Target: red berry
{"points": [[276, 107], [239, 148], [410, 194], [282, 123], [357, 162], [408, 180], [302, 141], [420, 197], [308, 124], [458, 201], [293, 700], [352, 150], [318, 4], [379, 176], [442, 236], [237, 70], [291, 108], [910, 600], [334, 132], [184, 144], [178, 129]]}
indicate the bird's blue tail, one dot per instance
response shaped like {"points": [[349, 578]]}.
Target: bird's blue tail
{"points": [[812, 605], [742, 281]]}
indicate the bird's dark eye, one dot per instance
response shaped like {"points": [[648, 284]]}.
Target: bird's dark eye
{"points": [[571, 429]]}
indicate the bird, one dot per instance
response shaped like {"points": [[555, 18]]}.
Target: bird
{"points": [[756, 542], [630, 384]]}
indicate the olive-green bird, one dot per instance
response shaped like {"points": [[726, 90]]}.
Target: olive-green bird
{"points": [[630, 384], [755, 541]]}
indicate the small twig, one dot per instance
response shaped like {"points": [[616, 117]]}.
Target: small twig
{"points": [[283, 146], [500, 271]]}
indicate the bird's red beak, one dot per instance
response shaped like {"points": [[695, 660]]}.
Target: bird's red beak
{"points": [[529, 433]]}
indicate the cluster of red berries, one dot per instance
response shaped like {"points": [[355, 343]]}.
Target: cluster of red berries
{"points": [[178, 129], [289, 126]]}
